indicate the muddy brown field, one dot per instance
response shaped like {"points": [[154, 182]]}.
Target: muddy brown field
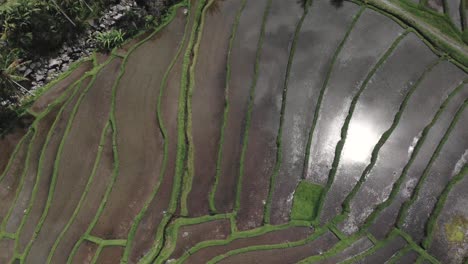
{"points": [[242, 131]]}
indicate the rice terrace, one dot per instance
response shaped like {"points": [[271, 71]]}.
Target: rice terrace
{"points": [[251, 131]]}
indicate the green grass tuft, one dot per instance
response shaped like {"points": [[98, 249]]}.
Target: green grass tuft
{"points": [[306, 201]]}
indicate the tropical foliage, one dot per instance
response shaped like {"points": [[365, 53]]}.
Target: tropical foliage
{"points": [[107, 40], [42, 26], [10, 88]]}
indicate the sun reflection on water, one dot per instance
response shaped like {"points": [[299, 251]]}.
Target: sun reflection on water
{"points": [[360, 141]]}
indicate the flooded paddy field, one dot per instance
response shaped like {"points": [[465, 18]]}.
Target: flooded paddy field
{"points": [[242, 131]]}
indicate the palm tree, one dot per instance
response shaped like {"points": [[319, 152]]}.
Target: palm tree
{"points": [[87, 5], [9, 79]]}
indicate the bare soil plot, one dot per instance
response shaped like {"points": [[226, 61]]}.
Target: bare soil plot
{"points": [[76, 159], [110, 255], [275, 237], [386, 252], [126, 47], [243, 57], [101, 57], [8, 145], [350, 90], [387, 218], [7, 247], [374, 115], [449, 242], [260, 155], [397, 150], [189, 236], [139, 140], [323, 29], [408, 258], [286, 255], [355, 249], [30, 175], [210, 86], [85, 253], [46, 171], [453, 156], [89, 205], [12, 176], [59, 88], [147, 229]]}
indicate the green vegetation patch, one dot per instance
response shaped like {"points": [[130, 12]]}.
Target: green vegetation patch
{"points": [[306, 201], [456, 230], [433, 18]]}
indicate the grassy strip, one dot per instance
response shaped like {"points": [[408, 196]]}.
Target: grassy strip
{"points": [[265, 247], [406, 205], [114, 172], [34, 128], [415, 246], [7, 235], [323, 88], [435, 49], [371, 237], [172, 232], [106, 194], [397, 185], [96, 254], [383, 139], [235, 26], [344, 129], [396, 257], [181, 143], [441, 21], [279, 147], [245, 139], [77, 87], [84, 194], [337, 249], [163, 131], [449, 39], [380, 244], [190, 169], [115, 151], [344, 243], [106, 242], [430, 225], [56, 164], [250, 234], [337, 232]]}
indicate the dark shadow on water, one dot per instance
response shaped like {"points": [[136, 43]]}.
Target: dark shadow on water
{"points": [[337, 3], [302, 3]]}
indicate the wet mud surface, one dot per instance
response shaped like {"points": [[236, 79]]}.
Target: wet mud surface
{"points": [[188, 145]]}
